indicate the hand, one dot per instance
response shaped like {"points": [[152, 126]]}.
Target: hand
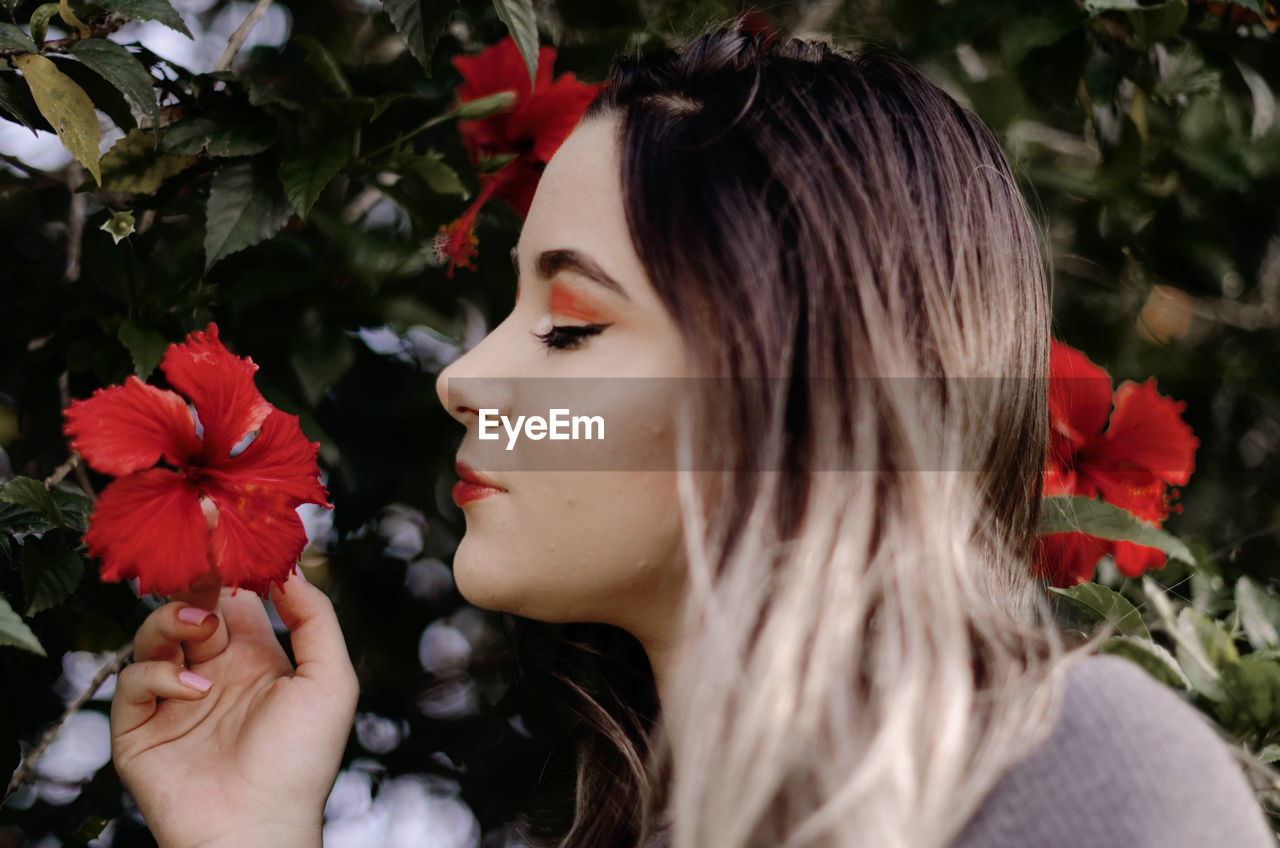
{"points": [[250, 760]]}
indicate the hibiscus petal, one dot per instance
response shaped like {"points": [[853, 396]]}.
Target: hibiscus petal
{"points": [[220, 385], [499, 68], [1132, 560], [1079, 394], [279, 458], [547, 118], [1068, 558], [127, 428], [149, 525], [1139, 492], [258, 537], [1147, 432]]}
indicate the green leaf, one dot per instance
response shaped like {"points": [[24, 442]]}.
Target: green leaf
{"points": [[24, 491], [67, 108], [483, 107], [431, 168], [1259, 615], [145, 346], [147, 10], [492, 163], [306, 176], [246, 206], [223, 136], [1269, 754], [39, 22], [1153, 658], [1258, 7], [48, 579], [1104, 604], [13, 38], [420, 23], [14, 631], [134, 164], [325, 66], [122, 69], [1252, 688], [19, 105], [1203, 648], [522, 22], [1078, 514]]}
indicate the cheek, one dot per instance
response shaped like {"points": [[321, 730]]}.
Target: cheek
{"points": [[568, 546]]}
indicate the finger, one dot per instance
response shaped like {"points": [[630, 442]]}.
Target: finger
{"points": [[140, 684], [178, 633], [246, 616], [318, 644]]}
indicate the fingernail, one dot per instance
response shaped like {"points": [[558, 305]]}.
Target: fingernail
{"points": [[195, 681], [193, 615]]}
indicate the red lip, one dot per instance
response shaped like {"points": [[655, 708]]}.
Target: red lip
{"points": [[471, 486]]}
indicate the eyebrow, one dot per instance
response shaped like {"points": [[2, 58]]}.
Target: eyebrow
{"points": [[549, 262]]}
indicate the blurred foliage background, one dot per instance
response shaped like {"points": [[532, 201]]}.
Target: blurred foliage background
{"points": [[1145, 136]]}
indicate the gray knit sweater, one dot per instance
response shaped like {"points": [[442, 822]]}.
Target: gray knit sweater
{"points": [[1130, 764]]}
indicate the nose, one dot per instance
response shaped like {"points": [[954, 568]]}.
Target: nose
{"points": [[479, 379]]}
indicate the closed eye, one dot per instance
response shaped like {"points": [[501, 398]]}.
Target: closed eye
{"points": [[569, 337]]}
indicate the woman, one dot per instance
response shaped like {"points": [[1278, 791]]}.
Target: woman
{"points": [[803, 294]]}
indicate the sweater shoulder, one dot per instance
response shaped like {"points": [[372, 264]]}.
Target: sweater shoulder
{"points": [[1128, 763]]}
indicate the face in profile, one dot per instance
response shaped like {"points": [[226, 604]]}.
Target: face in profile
{"points": [[553, 541]]}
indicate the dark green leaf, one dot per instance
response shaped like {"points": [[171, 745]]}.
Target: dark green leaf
{"points": [[133, 164], [1151, 657], [420, 23], [48, 578], [305, 176], [1104, 604], [221, 136], [122, 69], [15, 518], [431, 168], [1085, 515], [246, 206], [13, 38], [522, 22], [31, 494], [148, 10], [39, 22], [145, 346], [75, 506], [14, 631], [325, 66], [15, 100]]}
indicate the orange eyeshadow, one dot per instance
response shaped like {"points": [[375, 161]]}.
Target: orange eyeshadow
{"points": [[564, 301]]}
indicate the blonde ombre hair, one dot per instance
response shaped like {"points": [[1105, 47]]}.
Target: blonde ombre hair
{"points": [[846, 251]]}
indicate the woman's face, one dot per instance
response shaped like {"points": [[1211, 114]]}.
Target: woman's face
{"points": [[585, 529]]}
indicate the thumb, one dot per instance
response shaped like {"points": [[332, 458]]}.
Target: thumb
{"points": [[318, 644]]}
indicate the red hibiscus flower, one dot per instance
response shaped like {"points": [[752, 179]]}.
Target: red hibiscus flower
{"points": [[248, 459], [1144, 449], [531, 130]]}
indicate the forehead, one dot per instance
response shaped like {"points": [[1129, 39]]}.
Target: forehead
{"points": [[578, 203]]}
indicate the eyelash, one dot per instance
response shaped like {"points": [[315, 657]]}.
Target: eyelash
{"points": [[570, 336]]}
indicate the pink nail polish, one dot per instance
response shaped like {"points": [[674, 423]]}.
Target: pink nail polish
{"points": [[193, 615], [195, 681]]}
